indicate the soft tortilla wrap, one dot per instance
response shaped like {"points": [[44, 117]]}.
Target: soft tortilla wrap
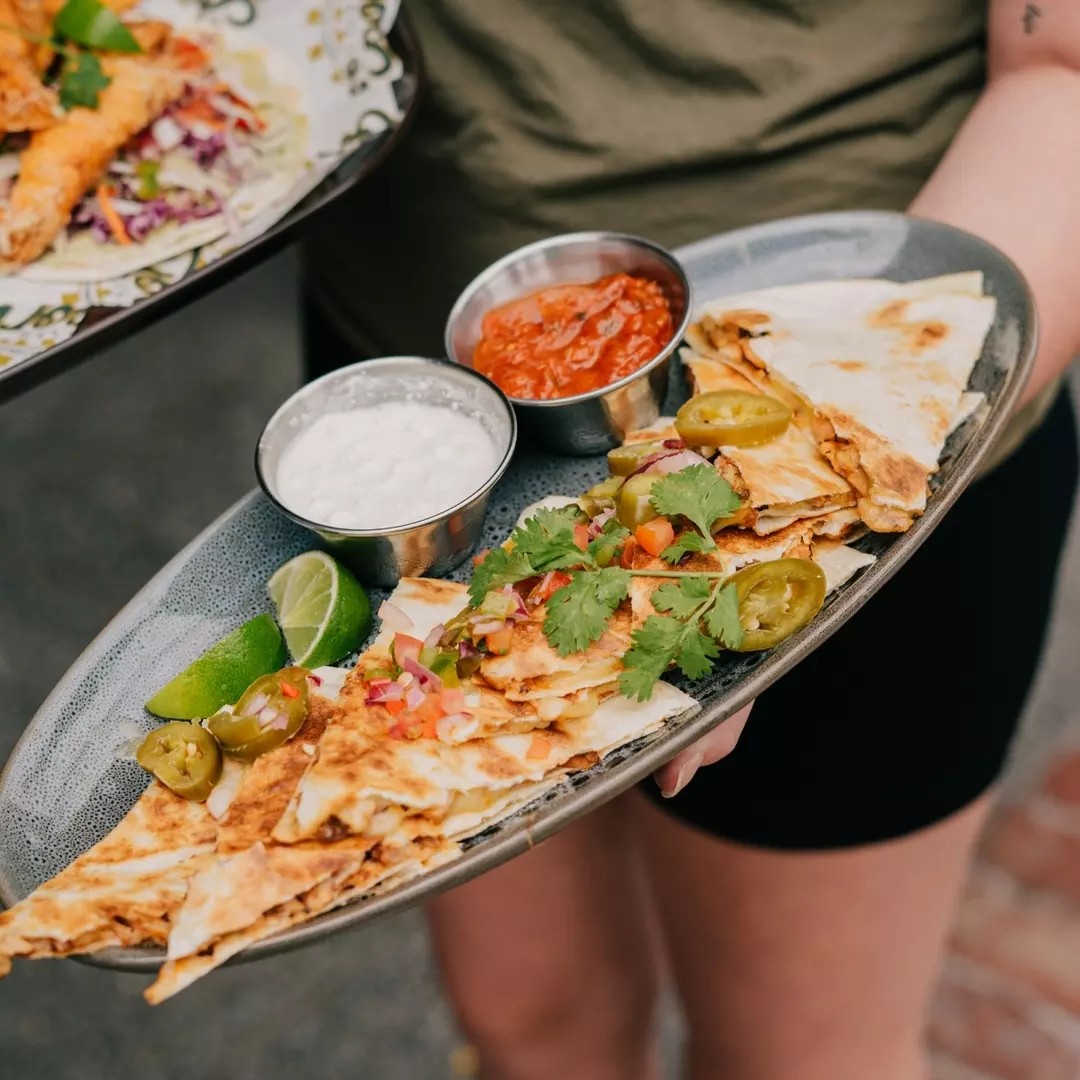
{"points": [[883, 366]]}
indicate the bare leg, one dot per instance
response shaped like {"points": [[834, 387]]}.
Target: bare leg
{"points": [[551, 961], [806, 966]]}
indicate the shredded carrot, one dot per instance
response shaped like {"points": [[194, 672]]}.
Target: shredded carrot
{"points": [[112, 218], [393, 707], [287, 690], [188, 54], [539, 748]]}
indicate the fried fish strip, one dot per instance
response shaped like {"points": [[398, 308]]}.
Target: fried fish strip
{"points": [[64, 162], [25, 103]]}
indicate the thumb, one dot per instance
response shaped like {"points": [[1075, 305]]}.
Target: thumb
{"points": [[718, 743]]}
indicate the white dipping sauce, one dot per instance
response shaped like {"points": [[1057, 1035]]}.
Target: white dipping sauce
{"points": [[380, 466]]}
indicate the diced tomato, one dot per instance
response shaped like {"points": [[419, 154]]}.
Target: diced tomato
{"points": [[626, 558], [112, 218], [429, 730], [581, 536], [452, 699], [406, 648], [549, 585], [187, 54], [655, 536], [539, 748], [394, 707], [499, 643]]}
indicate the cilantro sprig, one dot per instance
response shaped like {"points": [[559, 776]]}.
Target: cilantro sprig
{"points": [[544, 542], [702, 496], [78, 26], [697, 613], [678, 638], [578, 613]]}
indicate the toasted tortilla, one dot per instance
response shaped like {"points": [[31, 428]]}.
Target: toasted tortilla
{"points": [[361, 784], [376, 875], [882, 365], [786, 478], [840, 562], [123, 891], [531, 687]]}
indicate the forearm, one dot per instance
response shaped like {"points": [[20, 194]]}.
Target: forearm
{"points": [[1012, 176]]}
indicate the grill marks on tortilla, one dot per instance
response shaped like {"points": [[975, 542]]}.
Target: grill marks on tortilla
{"points": [[270, 783], [120, 892], [883, 364], [785, 477]]}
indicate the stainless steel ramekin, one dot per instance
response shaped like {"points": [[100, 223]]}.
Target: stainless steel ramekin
{"points": [[434, 545], [593, 422]]}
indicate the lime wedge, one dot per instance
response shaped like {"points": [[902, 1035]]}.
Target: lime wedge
{"points": [[321, 607], [222, 673]]}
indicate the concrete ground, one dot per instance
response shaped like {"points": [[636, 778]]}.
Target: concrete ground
{"points": [[104, 474]]}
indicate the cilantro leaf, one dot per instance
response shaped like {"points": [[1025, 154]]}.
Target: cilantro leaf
{"points": [[499, 568], [696, 653], [699, 493], [547, 539], [94, 26], [689, 541], [81, 81], [722, 619], [654, 645], [578, 613], [682, 598]]}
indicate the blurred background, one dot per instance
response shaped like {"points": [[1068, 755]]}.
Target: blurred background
{"points": [[108, 470]]}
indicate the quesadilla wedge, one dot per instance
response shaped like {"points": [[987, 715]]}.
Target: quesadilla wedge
{"points": [[123, 891], [787, 478], [375, 875], [881, 365], [528, 688], [367, 786]]}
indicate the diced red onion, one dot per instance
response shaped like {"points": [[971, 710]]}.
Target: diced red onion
{"points": [[467, 650], [269, 718], [674, 444], [683, 459], [415, 698], [520, 612], [487, 626], [384, 691], [316, 680], [255, 705], [427, 678], [394, 617], [433, 639], [596, 526], [668, 461]]}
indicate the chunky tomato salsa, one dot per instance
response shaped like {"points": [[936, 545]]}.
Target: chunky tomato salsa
{"points": [[571, 339]]}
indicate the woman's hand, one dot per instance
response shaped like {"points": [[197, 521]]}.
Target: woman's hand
{"points": [[679, 771]]}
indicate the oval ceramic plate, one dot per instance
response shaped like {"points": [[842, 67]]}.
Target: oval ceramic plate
{"points": [[67, 782]]}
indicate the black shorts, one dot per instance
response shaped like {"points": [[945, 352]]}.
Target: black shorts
{"points": [[905, 715]]}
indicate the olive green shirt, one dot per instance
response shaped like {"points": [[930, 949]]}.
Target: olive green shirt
{"points": [[674, 119]]}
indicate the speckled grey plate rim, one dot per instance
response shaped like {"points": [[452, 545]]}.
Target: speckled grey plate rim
{"points": [[529, 828]]}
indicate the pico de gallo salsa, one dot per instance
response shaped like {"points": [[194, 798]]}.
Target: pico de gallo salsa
{"points": [[571, 339]]}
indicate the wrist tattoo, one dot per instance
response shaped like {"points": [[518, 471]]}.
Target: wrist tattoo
{"points": [[1032, 14]]}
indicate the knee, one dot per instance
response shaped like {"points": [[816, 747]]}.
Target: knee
{"points": [[594, 1029]]}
